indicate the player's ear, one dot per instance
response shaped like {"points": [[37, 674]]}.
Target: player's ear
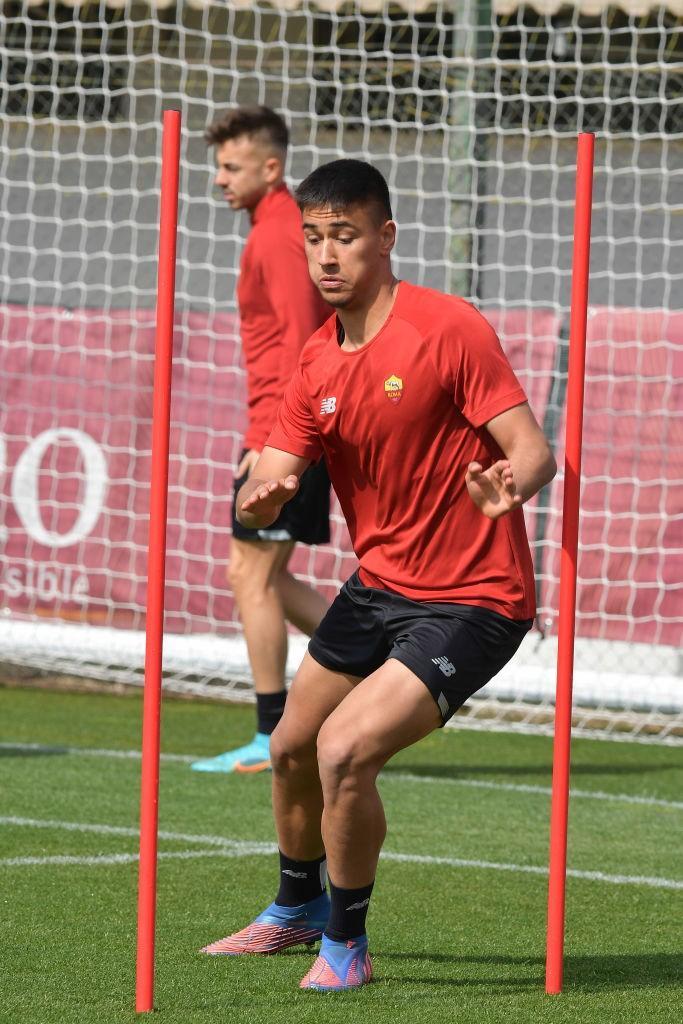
{"points": [[387, 237], [273, 169]]}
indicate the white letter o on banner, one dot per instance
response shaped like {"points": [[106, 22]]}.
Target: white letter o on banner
{"points": [[25, 486]]}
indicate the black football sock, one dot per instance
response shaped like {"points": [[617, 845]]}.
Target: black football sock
{"points": [[300, 880], [269, 710], [348, 912]]}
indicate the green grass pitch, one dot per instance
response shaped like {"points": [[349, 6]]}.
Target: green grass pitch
{"points": [[457, 923]]}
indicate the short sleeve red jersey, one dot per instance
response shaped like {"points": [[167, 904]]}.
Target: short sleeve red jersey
{"points": [[398, 421], [279, 307]]}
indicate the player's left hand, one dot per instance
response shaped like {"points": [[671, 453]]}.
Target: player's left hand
{"points": [[493, 490]]}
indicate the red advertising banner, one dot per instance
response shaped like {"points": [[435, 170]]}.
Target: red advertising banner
{"points": [[630, 564], [75, 440]]}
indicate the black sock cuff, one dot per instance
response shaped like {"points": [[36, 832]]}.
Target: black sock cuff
{"points": [[349, 909], [301, 880], [269, 710]]}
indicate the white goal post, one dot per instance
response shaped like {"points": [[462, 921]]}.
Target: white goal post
{"points": [[471, 110]]}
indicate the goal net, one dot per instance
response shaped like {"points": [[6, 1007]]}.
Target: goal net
{"points": [[471, 112]]}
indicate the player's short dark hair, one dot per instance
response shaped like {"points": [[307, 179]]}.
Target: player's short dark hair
{"points": [[255, 122], [344, 183]]}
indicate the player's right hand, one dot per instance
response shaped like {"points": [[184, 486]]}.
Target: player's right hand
{"points": [[493, 490], [268, 497]]}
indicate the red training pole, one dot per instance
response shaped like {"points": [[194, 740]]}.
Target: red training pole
{"points": [[570, 543], [156, 562]]}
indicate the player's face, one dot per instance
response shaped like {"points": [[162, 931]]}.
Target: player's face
{"points": [[348, 253], [245, 171]]}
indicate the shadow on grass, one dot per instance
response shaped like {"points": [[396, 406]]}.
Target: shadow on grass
{"points": [[591, 973], [632, 970], [545, 770]]}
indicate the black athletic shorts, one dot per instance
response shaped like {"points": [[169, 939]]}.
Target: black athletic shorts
{"points": [[453, 648], [306, 518]]}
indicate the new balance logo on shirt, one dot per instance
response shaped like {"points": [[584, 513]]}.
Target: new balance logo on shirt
{"points": [[328, 405], [447, 667]]}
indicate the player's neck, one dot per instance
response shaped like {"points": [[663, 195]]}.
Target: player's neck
{"points": [[274, 187], [363, 323]]}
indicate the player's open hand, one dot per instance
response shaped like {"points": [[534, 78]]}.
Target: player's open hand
{"points": [[266, 500], [493, 490]]}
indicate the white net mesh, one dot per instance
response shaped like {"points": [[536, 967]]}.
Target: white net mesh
{"points": [[472, 117]]}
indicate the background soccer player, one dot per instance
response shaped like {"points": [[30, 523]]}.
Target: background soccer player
{"points": [[279, 309], [432, 450]]}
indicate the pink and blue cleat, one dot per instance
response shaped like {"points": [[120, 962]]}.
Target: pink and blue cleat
{"points": [[340, 965], [277, 928], [254, 757]]}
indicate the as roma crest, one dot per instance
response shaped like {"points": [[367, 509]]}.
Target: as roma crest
{"points": [[393, 389]]}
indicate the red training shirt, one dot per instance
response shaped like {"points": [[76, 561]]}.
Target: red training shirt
{"points": [[279, 307], [398, 421]]}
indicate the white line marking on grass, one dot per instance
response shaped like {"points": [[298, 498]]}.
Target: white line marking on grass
{"points": [[120, 830], [513, 787], [106, 859], [126, 755], [531, 869], [224, 847], [520, 787]]}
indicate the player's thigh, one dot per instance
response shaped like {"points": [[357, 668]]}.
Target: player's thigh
{"points": [[314, 695], [455, 650], [386, 712], [258, 563]]}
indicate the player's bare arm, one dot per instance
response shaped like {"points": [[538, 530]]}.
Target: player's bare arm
{"points": [[274, 481], [528, 465], [247, 463]]}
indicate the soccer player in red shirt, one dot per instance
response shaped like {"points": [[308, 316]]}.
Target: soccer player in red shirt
{"points": [[279, 309], [432, 449]]}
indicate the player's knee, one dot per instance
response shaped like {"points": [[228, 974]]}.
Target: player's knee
{"points": [[245, 583], [237, 575], [279, 755], [291, 752], [340, 756]]}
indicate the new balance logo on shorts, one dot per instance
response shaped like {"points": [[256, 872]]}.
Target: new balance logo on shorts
{"points": [[447, 667], [328, 405]]}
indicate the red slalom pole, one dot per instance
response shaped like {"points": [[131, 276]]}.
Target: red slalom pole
{"points": [[156, 562], [568, 566]]}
